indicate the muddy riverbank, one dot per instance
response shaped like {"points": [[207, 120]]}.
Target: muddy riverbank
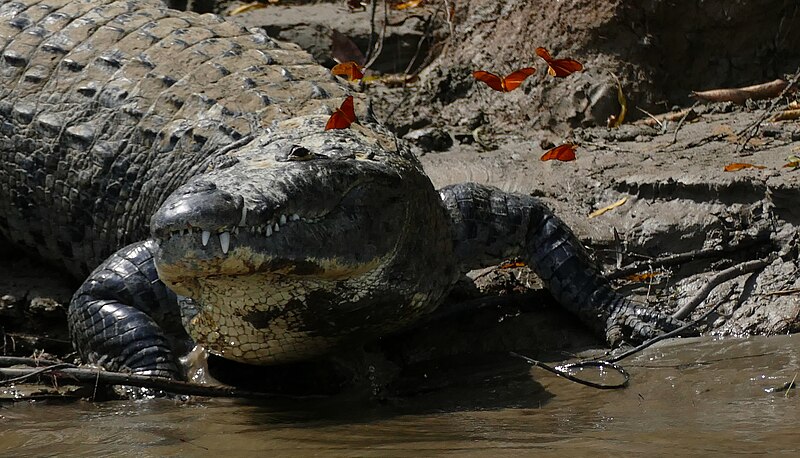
{"points": [[678, 198]]}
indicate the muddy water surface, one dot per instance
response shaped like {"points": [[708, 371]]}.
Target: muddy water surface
{"points": [[686, 397]]}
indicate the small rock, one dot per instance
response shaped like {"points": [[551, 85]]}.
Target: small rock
{"points": [[430, 139], [44, 305]]}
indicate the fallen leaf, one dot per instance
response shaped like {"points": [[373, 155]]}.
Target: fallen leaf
{"points": [[408, 4], [559, 68], [512, 264], [600, 211], [350, 70], [616, 121], [398, 80], [565, 152], [642, 277], [740, 94], [736, 166], [249, 7], [512, 81], [787, 115], [344, 116], [794, 162]]}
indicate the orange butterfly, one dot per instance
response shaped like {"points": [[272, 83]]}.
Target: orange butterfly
{"points": [[343, 116], [350, 70], [565, 152], [507, 84], [559, 67]]}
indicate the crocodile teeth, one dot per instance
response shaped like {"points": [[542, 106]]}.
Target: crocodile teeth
{"points": [[269, 231], [244, 215], [206, 236], [295, 217], [283, 219], [225, 241], [276, 228]]}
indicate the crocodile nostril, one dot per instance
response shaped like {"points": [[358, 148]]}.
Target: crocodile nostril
{"points": [[299, 153]]}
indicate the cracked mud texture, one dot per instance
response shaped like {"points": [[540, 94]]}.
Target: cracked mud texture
{"points": [[679, 199]]}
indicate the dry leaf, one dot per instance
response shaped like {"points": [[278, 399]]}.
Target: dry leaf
{"points": [[616, 121], [736, 166], [408, 4], [512, 265], [600, 211], [787, 115], [642, 277], [740, 94], [249, 7], [794, 162]]}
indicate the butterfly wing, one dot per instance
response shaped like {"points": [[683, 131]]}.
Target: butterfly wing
{"points": [[350, 70], [491, 80], [514, 79], [564, 67], [565, 152], [544, 54], [559, 67], [343, 116]]}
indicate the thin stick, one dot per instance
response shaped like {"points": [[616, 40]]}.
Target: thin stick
{"points": [[680, 123], [723, 276], [678, 259], [71, 375]]}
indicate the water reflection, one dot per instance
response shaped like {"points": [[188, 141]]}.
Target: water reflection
{"points": [[686, 396]]}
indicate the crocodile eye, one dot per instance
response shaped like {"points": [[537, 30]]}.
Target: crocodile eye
{"points": [[299, 153]]}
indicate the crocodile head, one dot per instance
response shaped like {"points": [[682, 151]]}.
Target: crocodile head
{"points": [[301, 240]]}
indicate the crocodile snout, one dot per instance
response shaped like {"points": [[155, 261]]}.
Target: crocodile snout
{"points": [[197, 205]]}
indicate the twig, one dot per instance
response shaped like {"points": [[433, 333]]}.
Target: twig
{"points": [[34, 362], [373, 54], [71, 375], [562, 371], [677, 259], [680, 123], [370, 43], [721, 277], [428, 32], [655, 120]]}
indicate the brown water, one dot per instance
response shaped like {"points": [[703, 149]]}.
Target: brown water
{"points": [[686, 397]]}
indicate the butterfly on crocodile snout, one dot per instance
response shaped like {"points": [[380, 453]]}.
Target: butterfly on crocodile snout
{"points": [[343, 117]]}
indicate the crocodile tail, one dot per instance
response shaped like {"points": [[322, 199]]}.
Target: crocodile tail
{"points": [[117, 319], [491, 225]]}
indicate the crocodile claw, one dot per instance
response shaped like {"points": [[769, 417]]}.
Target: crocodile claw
{"points": [[634, 323]]}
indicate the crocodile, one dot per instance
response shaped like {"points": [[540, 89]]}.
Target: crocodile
{"points": [[182, 163]]}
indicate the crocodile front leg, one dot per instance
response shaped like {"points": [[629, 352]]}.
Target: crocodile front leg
{"points": [[492, 225], [122, 315]]}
